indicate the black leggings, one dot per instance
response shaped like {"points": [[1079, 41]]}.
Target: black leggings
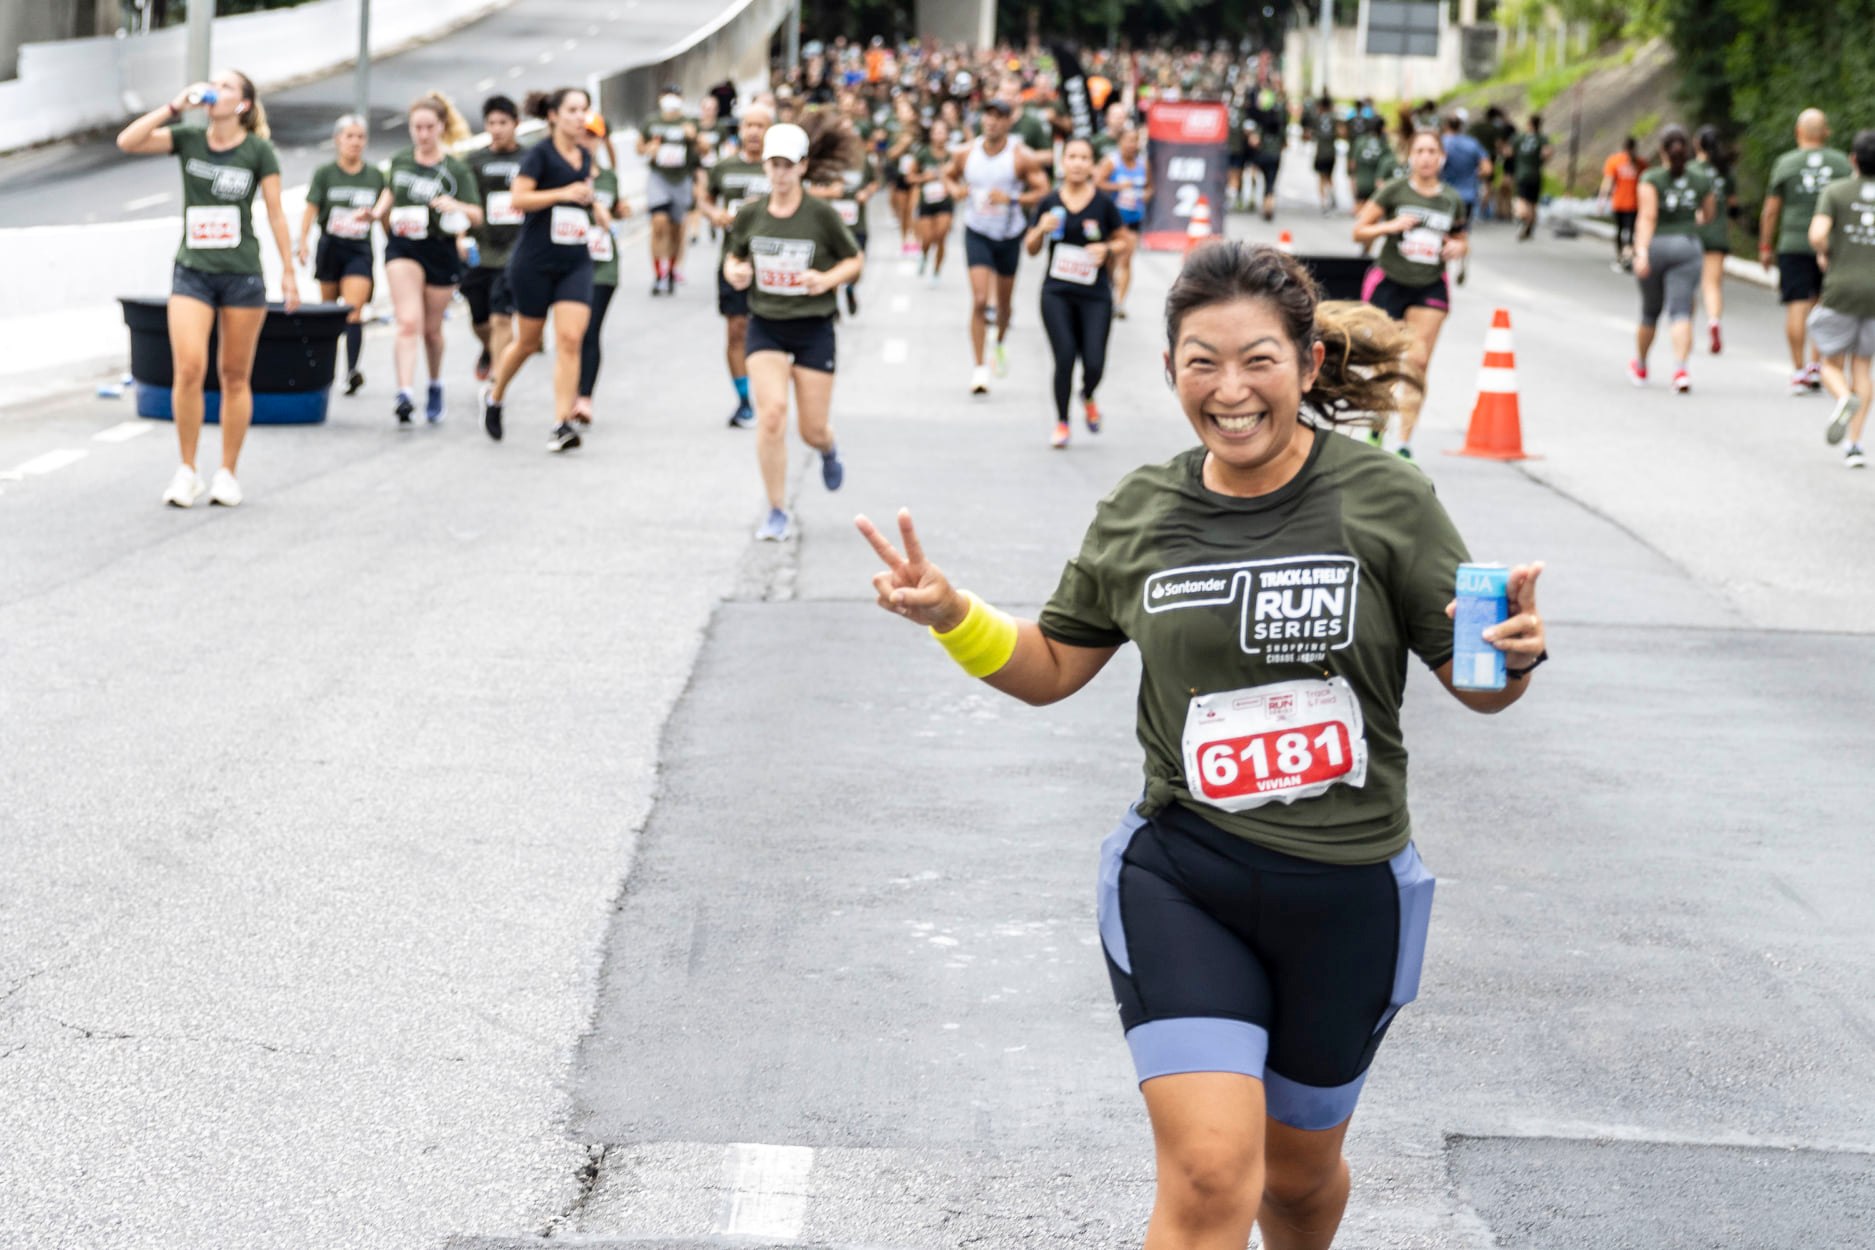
{"points": [[1077, 325], [1624, 232], [589, 347]]}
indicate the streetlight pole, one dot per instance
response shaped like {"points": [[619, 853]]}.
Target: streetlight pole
{"points": [[794, 37], [1321, 46], [361, 76], [201, 19]]}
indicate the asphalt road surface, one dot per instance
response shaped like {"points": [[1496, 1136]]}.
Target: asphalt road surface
{"points": [[460, 845], [527, 45]]}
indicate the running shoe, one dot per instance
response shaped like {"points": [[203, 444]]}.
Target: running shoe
{"points": [[1682, 382], [354, 382], [1813, 376], [657, 285], [852, 301], [491, 414], [1852, 459], [832, 471], [1119, 312], [742, 418], [980, 380], [433, 403], [404, 408], [565, 437], [775, 528], [185, 487], [1376, 437], [1062, 431], [908, 247], [483, 364], [1839, 420], [924, 263], [1799, 385], [1405, 452], [224, 491], [1092, 414], [1637, 373], [1718, 343], [1000, 360]]}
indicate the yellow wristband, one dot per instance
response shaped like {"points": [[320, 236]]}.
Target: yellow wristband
{"points": [[983, 641]]}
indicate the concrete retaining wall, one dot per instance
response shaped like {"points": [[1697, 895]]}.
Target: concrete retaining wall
{"points": [[74, 85], [734, 47]]}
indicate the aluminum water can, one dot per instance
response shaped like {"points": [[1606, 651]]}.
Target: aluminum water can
{"points": [[204, 96], [1483, 601]]}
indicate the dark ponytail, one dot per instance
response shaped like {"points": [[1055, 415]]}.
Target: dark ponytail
{"points": [[1365, 351], [544, 104], [1671, 139], [1713, 148]]}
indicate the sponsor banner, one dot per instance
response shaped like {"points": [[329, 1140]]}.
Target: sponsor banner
{"points": [[1188, 143]]}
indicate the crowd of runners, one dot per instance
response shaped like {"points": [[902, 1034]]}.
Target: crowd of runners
{"points": [[782, 191]]}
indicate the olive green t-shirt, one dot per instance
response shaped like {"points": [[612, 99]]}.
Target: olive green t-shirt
{"points": [[604, 250], [1715, 233], [218, 200], [1341, 573], [675, 158], [811, 237], [1413, 258], [1679, 197], [1374, 162], [415, 185], [732, 181], [1849, 282], [345, 200], [1526, 156], [501, 226], [1797, 178]]}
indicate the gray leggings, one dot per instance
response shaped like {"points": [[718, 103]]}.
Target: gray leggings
{"points": [[1672, 279]]}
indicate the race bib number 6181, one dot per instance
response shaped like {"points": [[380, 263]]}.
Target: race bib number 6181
{"points": [[1277, 743]]}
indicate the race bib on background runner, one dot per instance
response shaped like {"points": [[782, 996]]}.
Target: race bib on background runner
{"points": [[781, 265], [848, 210], [501, 209], [568, 225], [412, 221], [1277, 743], [212, 227], [672, 155], [350, 223], [934, 191], [599, 244], [1422, 245], [1072, 263]]}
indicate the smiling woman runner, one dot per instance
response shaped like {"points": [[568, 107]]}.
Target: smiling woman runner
{"points": [[432, 196], [1262, 907], [217, 272], [791, 252], [551, 268], [340, 199]]}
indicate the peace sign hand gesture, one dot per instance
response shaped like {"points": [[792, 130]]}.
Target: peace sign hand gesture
{"points": [[910, 585]]}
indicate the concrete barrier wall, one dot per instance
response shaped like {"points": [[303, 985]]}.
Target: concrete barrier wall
{"points": [[734, 47], [74, 85], [1352, 72]]}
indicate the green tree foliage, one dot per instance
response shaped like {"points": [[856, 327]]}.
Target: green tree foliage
{"points": [[1750, 66]]}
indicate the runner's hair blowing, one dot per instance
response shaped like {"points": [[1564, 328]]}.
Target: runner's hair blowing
{"points": [[1366, 350], [255, 118], [831, 150], [455, 128], [544, 104]]}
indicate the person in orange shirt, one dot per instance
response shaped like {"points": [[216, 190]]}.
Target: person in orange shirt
{"points": [[1621, 192], [875, 60]]}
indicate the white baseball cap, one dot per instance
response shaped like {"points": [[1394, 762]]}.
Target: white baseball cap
{"points": [[786, 141]]}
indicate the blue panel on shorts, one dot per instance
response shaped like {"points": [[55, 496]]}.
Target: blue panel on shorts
{"points": [[1107, 899], [1416, 885], [270, 407], [1310, 1107], [1197, 1044]]}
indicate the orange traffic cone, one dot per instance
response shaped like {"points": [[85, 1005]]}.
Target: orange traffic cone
{"points": [[1285, 242], [1200, 228], [1496, 431]]}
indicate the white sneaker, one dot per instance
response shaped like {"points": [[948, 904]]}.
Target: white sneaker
{"points": [[224, 490], [184, 488], [979, 382]]}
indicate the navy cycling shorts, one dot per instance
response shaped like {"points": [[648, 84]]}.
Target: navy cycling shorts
{"points": [[1229, 957]]}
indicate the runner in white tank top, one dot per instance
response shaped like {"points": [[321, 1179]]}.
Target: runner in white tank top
{"points": [[998, 180]]}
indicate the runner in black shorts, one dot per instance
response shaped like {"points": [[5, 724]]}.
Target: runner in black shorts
{"points": [[1262, 907], [340, 198], [1421, 222], [551, 269], [485, 279], [731, 182]]}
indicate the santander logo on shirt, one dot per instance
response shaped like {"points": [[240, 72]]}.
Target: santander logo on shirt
{"points": [[1294, 610]]}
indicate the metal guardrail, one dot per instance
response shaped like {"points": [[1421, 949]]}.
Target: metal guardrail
{"points": [[732, 47]]}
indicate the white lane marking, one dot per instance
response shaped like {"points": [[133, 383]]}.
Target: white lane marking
{"points": [[908, 269], [485, 85], [123, 432], [545, 58], [39, 466], [570, 44], [767, 1191], [901, 303], [592, 30], [897, 351], [392, 123], [145, 201], [514, 71]]}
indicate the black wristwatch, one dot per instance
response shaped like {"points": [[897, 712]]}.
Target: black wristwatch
{"points": [[1518, 674]]}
